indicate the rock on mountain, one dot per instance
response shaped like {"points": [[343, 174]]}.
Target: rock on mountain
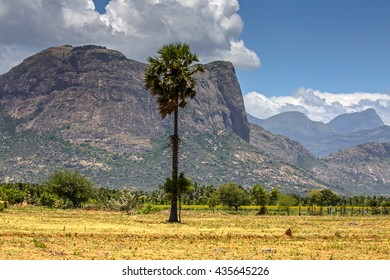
{"points": [[353, 122]]}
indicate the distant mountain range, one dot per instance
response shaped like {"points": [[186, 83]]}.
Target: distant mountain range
{"points": [[85, 108], [322, 139]]}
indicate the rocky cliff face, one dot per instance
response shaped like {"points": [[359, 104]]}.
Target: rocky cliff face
{"points": [[94, 95]]}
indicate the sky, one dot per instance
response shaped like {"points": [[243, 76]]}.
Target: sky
{"points": [[319, 57]]}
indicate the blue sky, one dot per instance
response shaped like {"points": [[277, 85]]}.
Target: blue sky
{"points": [[334, 45], [319, 57]]}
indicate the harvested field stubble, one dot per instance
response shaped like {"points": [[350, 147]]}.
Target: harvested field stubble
{"points": [[39, 233]]}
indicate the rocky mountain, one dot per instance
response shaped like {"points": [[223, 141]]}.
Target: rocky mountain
{"points": [[322, 139], [85, 108], [93, 95]]}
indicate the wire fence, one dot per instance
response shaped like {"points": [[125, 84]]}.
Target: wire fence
{"points": [[295, 210]]}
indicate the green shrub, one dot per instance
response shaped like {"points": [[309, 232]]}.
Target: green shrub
{"points": [[149, 208], [15, 196], [48, 199], [74, 188], [3, 206]]}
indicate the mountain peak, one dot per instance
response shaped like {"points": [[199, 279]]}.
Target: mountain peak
{"points": [[352, 122], [295, 125]]}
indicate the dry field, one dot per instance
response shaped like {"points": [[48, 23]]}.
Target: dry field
{"points": [[39, 233]]}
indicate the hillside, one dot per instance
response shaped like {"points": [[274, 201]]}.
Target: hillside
{"points": [[362, 169]]}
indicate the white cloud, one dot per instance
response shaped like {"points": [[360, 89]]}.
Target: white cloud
{"points": [[136, 28], [318, 106]]}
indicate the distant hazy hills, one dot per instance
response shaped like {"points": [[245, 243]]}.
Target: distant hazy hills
{"points": [[344, 131], [354, 122]]}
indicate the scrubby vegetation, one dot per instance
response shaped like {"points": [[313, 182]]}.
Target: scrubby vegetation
{"points": [[69, 189]]}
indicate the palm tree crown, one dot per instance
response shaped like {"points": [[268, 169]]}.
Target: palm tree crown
{"points": [[169, 77]]}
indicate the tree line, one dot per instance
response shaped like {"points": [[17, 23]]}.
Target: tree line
{"points": [[70, 189]]}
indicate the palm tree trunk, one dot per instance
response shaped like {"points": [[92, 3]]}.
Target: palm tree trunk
{"points": [[173, 217]]}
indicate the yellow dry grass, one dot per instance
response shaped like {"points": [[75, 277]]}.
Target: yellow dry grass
{"points": [[39, 233]]}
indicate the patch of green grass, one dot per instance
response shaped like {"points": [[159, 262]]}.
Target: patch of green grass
{"points": [[39, 244]]}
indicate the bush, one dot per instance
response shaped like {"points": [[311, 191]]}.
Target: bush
{"points": [[232, 195], [72, 187], [48, 199], [14, 196], [127, 201], [149, 208], [3, 206]]}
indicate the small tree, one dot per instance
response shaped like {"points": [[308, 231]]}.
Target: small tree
{"points": [[285, 202], [182, 186], [329, 198], [260, 197], [213, 200], [315, 197], [232, 195], [71, 186], [274, 196]]}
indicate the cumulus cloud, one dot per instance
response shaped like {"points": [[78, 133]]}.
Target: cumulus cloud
{"points": [[318, 106], [137, 28]]}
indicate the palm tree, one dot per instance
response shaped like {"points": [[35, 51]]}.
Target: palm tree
{"points": [[169, 77]]}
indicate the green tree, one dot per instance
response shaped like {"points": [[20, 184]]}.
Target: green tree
{"points": [[169, 77], [71, 186], [286, 201], [260, 197], [329, 198], [232, 195], [315, 197], [213, 200], [274, 196]]}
